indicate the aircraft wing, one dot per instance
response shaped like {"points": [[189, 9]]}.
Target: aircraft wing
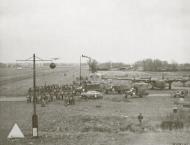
{"points": [[146, 80], [176, 80]]}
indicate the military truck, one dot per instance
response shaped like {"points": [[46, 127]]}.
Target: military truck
{"points": [[138, 89], [180, 93]]}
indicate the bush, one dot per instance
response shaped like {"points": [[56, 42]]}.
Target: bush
{"points": [[176, 120], [172, 125]]}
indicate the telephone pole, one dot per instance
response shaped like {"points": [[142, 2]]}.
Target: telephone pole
{"points": [[80, 71], [89, 58], [34, 116]]}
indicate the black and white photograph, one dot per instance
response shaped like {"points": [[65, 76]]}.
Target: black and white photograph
{"points": [[94, 72]]}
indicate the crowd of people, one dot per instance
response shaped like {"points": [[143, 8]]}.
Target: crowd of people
{"points": [[50, 93]]}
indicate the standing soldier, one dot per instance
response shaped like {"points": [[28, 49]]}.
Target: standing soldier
{"points": [[54, 94], [43, 103], [62, 93], [140, 118], [136, 90], [29, 97], [51, 95], [72, 97], [66, 101]]}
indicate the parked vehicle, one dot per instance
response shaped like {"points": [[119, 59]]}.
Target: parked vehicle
{"points": [[91, 95]]}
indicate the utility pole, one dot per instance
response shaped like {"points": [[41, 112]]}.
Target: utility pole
{"points": [[80, 71], [80, 65], [35, 116], [89, 58]]}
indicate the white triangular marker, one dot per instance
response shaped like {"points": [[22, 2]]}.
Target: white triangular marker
{"points": [[15, 132]]}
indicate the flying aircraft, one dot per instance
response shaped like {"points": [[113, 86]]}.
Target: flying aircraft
{"points": [[55, 58]]}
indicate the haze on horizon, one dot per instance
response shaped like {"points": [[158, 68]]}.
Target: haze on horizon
{"points": [[106, 30]]}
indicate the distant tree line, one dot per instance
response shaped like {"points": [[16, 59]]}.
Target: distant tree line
{"points": [[94, 66], [159, 65], [2, 65]]}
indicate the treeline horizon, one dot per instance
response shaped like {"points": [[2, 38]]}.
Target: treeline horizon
{"points": [[142, 65], [160, 65]]}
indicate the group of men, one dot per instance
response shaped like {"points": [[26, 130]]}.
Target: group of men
{"points": [[50, 93]]}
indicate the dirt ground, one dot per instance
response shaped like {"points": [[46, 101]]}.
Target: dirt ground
{"points": [[112, 120]]}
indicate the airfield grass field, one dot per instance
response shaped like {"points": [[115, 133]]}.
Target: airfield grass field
{"points": [[108, 121], [15, 82]]}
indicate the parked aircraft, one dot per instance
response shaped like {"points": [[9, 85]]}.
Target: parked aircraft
{"points": [[155, 83]]}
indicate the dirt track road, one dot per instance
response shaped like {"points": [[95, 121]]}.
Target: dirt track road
{"points": [[12, 99]]}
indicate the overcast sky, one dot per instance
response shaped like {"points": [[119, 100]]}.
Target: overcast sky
{"points": [[107, 30]]}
